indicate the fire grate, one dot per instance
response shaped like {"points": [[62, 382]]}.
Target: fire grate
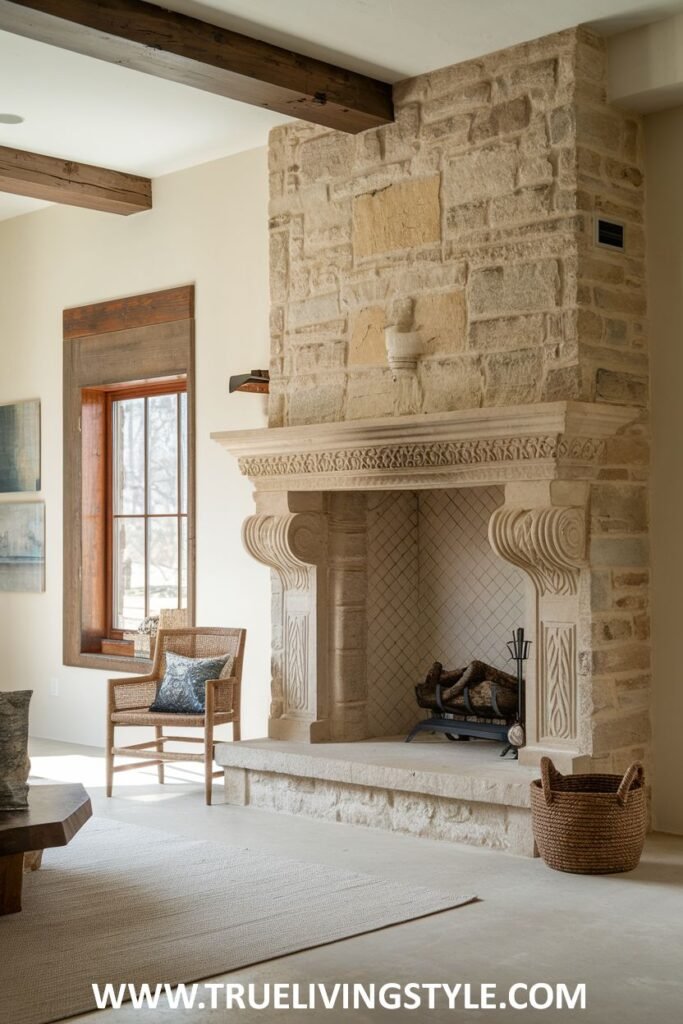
{"points": [[477, 701]]}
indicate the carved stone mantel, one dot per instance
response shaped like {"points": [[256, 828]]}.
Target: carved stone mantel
{"points": [[548, 441]]}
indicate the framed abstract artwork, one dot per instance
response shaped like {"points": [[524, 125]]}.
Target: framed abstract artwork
{"points": [[22, 546], [20, 447]]}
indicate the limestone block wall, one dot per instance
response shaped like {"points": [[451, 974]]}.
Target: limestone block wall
{"points": [[611, 287], [616, 654], [470, 220], [613, 357]]}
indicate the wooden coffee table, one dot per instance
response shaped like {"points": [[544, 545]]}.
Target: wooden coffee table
{"points": [[54, 816]]}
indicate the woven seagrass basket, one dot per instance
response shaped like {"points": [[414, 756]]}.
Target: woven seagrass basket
{"points": [[589, 824]]}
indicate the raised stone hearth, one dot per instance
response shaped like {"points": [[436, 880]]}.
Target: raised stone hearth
{"points": [[456, 792]]}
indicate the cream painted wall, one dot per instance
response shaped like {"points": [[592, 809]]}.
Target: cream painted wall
{"points": [[664, 176], [646, 65], [208, 227]]}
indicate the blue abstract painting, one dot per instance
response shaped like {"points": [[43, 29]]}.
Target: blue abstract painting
{"points": [[20, 447], [22, 546]]}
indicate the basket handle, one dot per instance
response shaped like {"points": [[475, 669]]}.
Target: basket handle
{"points": [[635, 773], [549, 774]]}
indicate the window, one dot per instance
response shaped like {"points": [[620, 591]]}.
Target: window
{"points": [[148, 499], [128, 472]]}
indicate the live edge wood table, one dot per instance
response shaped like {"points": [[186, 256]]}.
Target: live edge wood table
{"points": [[54, 816]]}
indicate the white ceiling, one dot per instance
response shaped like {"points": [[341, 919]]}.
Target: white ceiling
{"points": [[90, 111], [93, 112], [397, 38]]}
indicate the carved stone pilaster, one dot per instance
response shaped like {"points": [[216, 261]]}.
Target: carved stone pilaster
{"points": [[292, 545], [557, 696], [548, 543], [347, 576]]}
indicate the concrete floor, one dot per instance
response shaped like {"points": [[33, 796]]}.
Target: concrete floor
{"points": [[620, 935]]}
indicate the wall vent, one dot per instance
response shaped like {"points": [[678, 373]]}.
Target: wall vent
{"points": [[609, 234]]}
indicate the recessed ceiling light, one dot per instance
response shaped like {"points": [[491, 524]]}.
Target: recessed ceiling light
{"points": [[11, 119]]}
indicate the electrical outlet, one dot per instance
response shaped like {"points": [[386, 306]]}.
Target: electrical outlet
{"points": [[54, 687]]}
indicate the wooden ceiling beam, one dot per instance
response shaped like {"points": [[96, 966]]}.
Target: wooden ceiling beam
{"points": [[64, 181], [140, 35]]}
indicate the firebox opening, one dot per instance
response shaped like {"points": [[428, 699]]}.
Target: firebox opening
{"points": [[436, 592]]}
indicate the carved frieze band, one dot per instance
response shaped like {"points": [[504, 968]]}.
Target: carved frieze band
{"points": [[290, 544], [424, 455], [557, 693], [548, 543]]}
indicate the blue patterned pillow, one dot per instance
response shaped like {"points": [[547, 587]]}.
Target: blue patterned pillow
{"points": [[182, 689]]}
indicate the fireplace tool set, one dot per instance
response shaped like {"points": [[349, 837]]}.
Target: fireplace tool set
{"points": [[477, 701]]}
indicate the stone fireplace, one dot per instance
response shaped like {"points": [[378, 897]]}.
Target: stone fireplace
{"points": [[396, 542], [419, 509]]}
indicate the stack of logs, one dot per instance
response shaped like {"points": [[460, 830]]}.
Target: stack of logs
{"points": [[478, 690]]}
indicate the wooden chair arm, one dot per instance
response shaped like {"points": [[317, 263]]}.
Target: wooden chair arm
{"points": [[219, 694], [131, 693], [133, 679]]}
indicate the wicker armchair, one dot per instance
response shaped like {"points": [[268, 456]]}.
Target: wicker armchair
{"points": [[129, 701]]}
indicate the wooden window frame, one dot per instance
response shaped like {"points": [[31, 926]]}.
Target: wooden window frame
{"points": [[143, 344], [174, 386]]}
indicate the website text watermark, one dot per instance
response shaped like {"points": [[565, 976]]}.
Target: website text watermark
{"points": [[343, 996]]}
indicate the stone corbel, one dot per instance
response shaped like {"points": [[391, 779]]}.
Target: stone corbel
{"points": [[293, 545], [548, 543], [289, 544]]}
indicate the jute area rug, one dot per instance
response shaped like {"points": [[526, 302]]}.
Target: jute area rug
{"points": [[126, 904]]}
